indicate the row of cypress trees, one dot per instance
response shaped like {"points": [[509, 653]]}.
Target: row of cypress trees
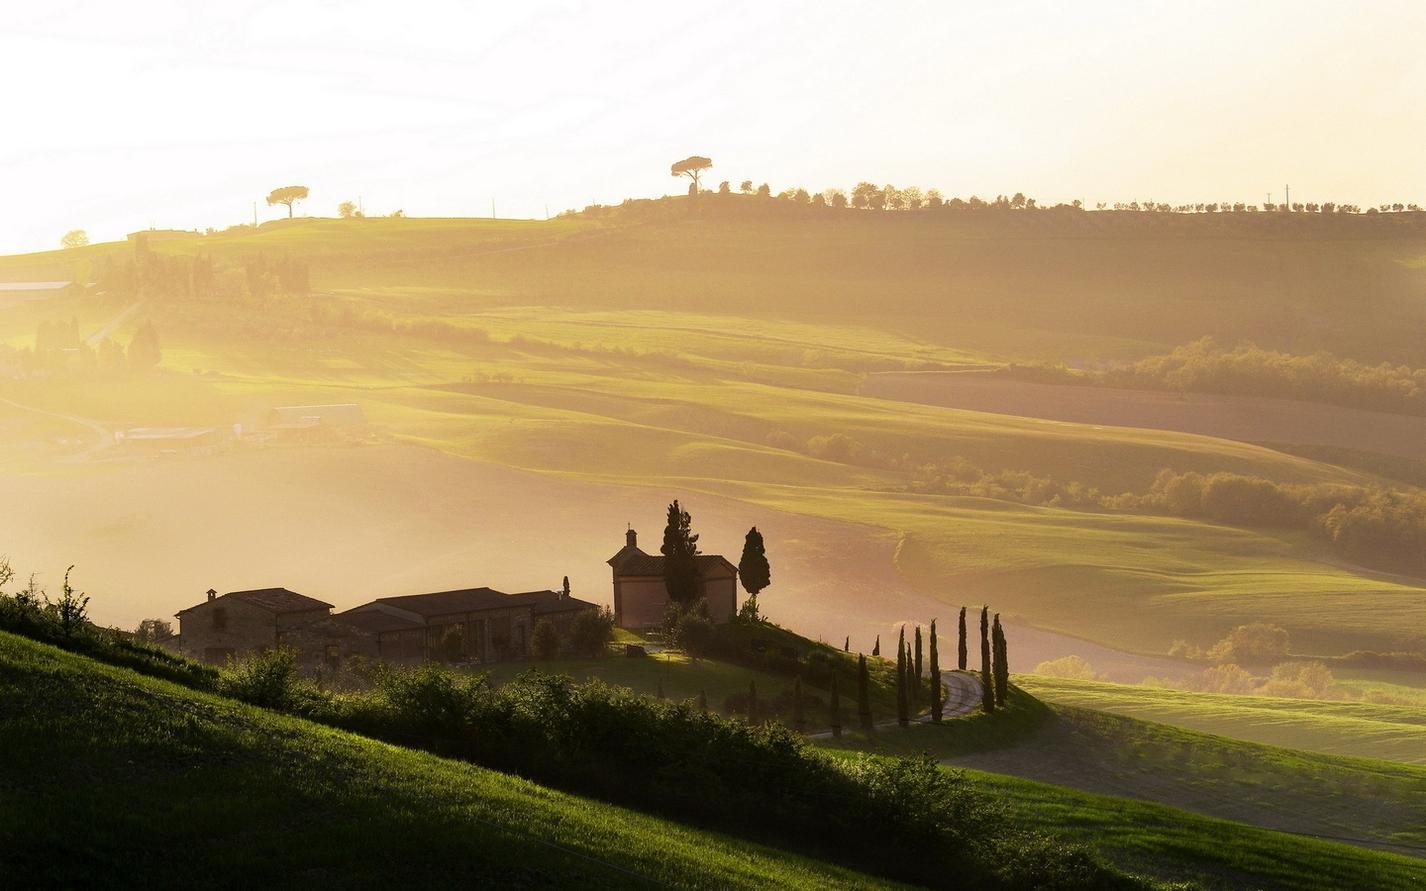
{"points": [[915, 686]]}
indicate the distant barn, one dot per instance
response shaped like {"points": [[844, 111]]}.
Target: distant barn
{"points": [[161, 439], [12, 293], [347, 416]]}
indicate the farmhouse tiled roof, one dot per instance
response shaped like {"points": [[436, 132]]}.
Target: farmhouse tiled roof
{"points": [[279, 600], [632, 561], [376, 621], [440, 603], [463, 600]]}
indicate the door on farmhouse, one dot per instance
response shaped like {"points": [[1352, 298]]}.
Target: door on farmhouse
{"points": [[477, 640]]}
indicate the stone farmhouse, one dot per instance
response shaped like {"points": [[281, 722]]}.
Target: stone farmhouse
{"points": [[244, 621], [641, 596], [478, 624], [475, 624]]}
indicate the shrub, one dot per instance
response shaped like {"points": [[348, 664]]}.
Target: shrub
{"points": [[591, 632], [1254, 642], [1072, 667], [1300, 680], [267, 679], [1226, 678]]}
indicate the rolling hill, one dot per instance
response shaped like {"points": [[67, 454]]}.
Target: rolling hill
{"points": [[722, 354]]}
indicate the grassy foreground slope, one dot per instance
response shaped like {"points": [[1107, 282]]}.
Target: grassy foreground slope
{"points": [[1362, 729], [109, 777]]}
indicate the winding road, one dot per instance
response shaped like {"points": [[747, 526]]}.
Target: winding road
{"points": [[963, 693]]}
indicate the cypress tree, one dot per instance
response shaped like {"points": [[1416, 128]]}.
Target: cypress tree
{"points": [[836, 708], [961, 662], [1002, 670], [797, 721], [910, 682], [938, 701], [753, 569], [987, 695], [847, 646], [680, 551], [901, 716], [863, 695], [876, 647], [916, 674]]}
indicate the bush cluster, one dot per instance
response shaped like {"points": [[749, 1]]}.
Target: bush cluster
{"points": [[1205, 366]]}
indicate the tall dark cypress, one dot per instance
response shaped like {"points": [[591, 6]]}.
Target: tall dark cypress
{"points": [[797, 721], [836, 709], [847, 646], [961, 662], [1002, 669], [902, 717], [916, 674], [876, 647], [938, 699], [911, 706], [863, 695], [987, 695]]}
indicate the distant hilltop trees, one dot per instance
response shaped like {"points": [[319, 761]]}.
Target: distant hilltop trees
{"points": [[869, 196]]}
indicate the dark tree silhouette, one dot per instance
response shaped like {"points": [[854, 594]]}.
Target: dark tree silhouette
{"points": [[902, 717], [938, 700], [961, 653], [863, 694], [680, 551], [691, 167], [288, 195], [753, 568], [916, 667], [987, 698], [847, 645], [876, 647], [145, 351], [998, 657]]}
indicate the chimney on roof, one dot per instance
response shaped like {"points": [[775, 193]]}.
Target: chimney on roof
{"points": [[631, 538], [211, 594]]}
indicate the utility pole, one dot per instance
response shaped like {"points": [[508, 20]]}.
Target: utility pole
{"points": [[1287, 201], [254, 214], [492, 208]]}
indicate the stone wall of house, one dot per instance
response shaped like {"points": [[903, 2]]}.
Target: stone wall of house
{"points": [[226, 626], [722, 596], [327, 641], [641, 600]]}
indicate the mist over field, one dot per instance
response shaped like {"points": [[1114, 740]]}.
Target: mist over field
{"points": [[404, 437]]}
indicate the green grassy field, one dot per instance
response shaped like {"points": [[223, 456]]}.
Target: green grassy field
{"points": [[1364, 801], [1387, 732], [1176, 845], [107, 773], [709, 356], [1181, 805]]}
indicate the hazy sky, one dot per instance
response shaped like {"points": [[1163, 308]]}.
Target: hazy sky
{"points": [[180, 114]]}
